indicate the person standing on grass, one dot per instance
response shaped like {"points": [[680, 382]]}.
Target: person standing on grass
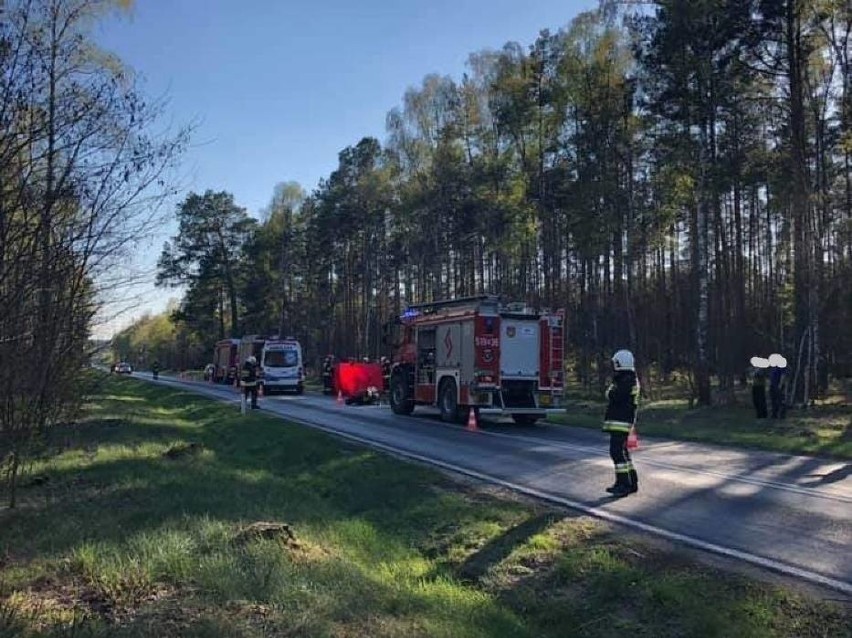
{"points": [[777, 385], [758, 385], [623, 401], [249, 379]]}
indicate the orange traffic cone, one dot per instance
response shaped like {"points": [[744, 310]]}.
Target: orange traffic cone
{"points": [[339, 396], [632, 440], [471, 421]]}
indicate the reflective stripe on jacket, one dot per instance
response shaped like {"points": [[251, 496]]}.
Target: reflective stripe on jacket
{"points": [[249, 375], [623, 400]]}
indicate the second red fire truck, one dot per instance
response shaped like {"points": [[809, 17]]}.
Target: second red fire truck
{"points": [[476, 352]]}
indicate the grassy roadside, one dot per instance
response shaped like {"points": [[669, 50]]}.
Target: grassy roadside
{"points": [[824, 430], [133, 527]]}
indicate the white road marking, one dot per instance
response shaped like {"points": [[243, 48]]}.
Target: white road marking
{"points": [[686, 539], [692, 541], [788, 487], [544, 442]]}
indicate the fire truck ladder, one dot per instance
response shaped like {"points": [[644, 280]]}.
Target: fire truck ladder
{"points": [[430, 307], [557, 353]]}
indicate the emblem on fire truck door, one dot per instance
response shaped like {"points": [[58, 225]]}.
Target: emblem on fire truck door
{"points": [[510, 331]]}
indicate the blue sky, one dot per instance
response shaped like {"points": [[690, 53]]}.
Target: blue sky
{"points": [[279, 88]]}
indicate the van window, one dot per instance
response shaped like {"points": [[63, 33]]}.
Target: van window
{"points": [[281, 359]]}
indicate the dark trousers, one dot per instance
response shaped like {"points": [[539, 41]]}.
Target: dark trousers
{"points": [[625, 474], [758, 397], [251, 390], [777, 400]]}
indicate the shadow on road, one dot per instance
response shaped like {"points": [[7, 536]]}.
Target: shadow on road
{"points": [[832, 477]]}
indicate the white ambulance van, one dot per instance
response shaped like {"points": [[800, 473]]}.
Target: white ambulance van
{"points": [[283, 368]]}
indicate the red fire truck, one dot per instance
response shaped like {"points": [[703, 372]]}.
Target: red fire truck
{"points": [[476, 352], [230, 354], [225, 360]]}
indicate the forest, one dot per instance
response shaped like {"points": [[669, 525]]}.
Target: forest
{"points": [[675, 175], [85, 161]]}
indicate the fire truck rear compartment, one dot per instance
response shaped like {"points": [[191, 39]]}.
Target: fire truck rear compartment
{"points": [[518, 394]]}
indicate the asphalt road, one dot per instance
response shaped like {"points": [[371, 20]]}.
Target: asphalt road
{"points": [[791, 514]]}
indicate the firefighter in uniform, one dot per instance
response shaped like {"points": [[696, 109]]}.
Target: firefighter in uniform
{"points": [[249, 380], [623, 400], [156, 370]]}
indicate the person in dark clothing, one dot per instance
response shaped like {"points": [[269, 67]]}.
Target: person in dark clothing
{"points": [[327, 374], [249, 380], [369, 396], [386, 372], [623, 400], [758, 386], [156, 370], [777, 385]]}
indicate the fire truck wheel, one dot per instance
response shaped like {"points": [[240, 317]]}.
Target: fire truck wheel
{"points": [[525, 419], [449, 402], [400, 401]]}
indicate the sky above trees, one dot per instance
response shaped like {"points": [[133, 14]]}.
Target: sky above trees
{"points": [[280, 89]]}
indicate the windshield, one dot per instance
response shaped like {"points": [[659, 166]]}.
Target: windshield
{"points": [[281, 359]]}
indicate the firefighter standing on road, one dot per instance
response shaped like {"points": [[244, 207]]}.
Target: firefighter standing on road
{"points": [[249, 379], [156, 370], [327, 371], [623, 398], [386, 371]]}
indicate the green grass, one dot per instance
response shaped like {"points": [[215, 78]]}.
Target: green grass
{"points": [[129, 527], [823, 430]]}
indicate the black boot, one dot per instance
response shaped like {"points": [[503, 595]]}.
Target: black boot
{"points": [[634, 482], [614, 486], [621, 487]]}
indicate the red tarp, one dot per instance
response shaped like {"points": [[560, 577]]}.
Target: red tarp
{"points": [[354, 378]]}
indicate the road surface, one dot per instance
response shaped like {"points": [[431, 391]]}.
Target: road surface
{"points": [[791, 514]]}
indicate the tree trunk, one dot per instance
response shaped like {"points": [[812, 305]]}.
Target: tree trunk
{"points": [[800, 180], [14, 464], [702, 372]]}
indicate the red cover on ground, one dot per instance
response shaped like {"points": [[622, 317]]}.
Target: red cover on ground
{"points": [[352, 378]]}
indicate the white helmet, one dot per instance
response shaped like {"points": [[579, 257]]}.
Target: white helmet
{"points": [[252, 360], [622, 360], [777, 361]]}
